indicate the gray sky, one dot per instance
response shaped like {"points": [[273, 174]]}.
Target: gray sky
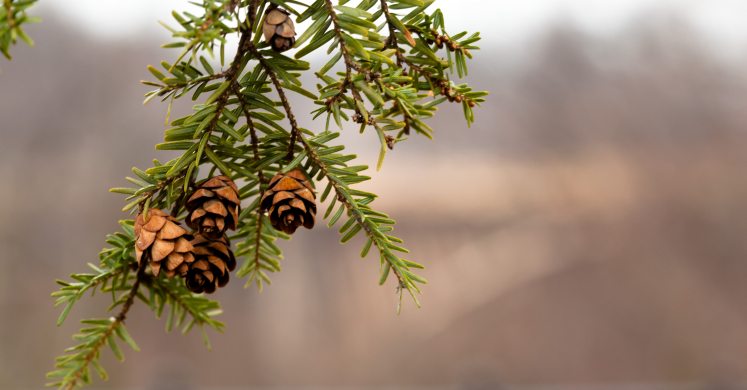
{"points": [[721, 22]]}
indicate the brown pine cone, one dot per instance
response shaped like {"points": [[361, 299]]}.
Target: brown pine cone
{"points": [[214, 260], [214, 207], [278, 29], [163, 243], [291, 201]]}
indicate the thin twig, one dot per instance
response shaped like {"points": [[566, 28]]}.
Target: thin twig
{"points": [[119, 319], [366, 228], [229, 75], [154, 282], [294, 125], [11, 21], [349, 63], [260, 175], [392, 33]]}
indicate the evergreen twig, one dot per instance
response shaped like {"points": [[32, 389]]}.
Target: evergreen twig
{"points": [[212, 137]]}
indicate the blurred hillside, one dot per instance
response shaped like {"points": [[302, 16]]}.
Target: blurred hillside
{"points": [[590, 228]]}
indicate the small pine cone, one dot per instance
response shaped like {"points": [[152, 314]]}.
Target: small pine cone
{"points": [[214, 207], [278, 29], [213, 260], [163, 243], [291, 201]]}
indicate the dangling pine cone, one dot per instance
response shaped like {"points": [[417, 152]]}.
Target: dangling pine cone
{"points": [[163, 243], [279, 30], [214, 207], [291, 201], [214, 260]]}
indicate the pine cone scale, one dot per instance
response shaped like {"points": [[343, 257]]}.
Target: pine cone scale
{"points": [[306, 194], [170, 231], [290, 201], [213, 260], [155, 224], [161, 249], [182, 245], [214, 207], [161, 242], [145, 239], [230, 193], [288, 184]]}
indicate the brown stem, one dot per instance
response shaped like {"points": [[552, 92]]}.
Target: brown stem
{"points": [[258, 238], [392, 33], [366, 228], [294, 125], [401, 60], [252, 16], [11, 21], [119, 319], [255, 148], [230, 75], [252, 132], [349, 63]]}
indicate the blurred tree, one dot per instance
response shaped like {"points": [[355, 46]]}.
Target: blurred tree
{"points": [[156, 260], [12, 17]]}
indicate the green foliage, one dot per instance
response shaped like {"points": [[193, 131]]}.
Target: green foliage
{"points": [[75, 366], [12, 17], [118, 274], [243, 127]]}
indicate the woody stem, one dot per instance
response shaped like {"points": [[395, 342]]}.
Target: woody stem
{"points": [[291, 118]]}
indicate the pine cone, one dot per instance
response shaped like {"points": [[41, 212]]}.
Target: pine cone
{"points": [[159, 237], [214, 207], [279, 30], [214, 260], [291, 201]]}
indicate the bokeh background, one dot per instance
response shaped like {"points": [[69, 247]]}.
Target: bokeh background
{"points": [[588, 232]]}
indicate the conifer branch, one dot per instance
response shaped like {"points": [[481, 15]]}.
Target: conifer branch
{"points": [[9, 13], [230, 77], [345, 200], [286, 105], [349, 62], [11, 24], [199, 315], [438, 85], [255, 148], [119, 319], [212, 136], [392, 40]]}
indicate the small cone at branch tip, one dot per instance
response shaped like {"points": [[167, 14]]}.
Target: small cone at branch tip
{"points": [[209, 268], [278, 29], [214, 207], [290, 201], [161, 242]]}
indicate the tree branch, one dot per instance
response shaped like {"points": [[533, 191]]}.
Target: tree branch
{"points": [[315, 158], [119, 319], [350, 64], [230, 76], [255, 149], [441, 85], [11, 21], [351, 208], [291, 118]]}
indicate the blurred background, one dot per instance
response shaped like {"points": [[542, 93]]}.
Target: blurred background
{"points": [[588, 232]]}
